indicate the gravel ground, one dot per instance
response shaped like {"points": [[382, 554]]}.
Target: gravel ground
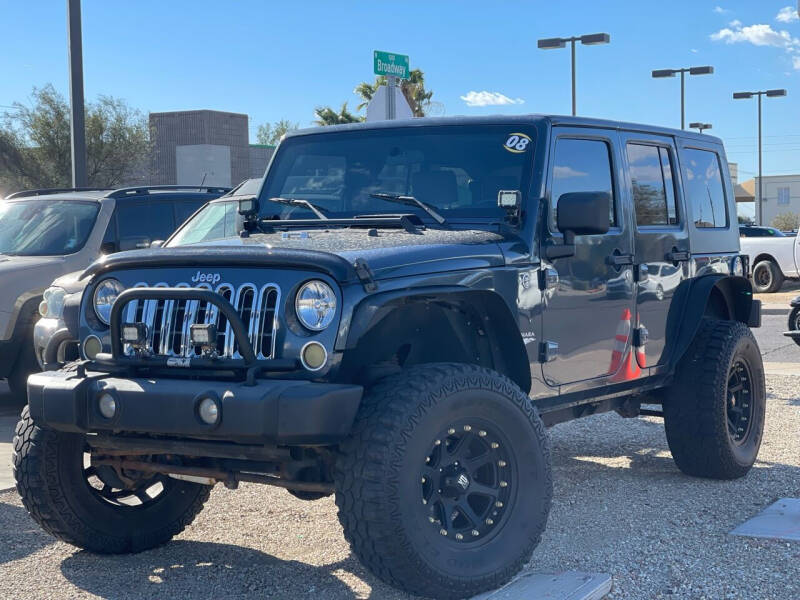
{"points": [[620, 507]]}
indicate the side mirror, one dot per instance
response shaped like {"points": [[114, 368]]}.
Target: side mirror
{"points": [[579, 213], [156, 243]]}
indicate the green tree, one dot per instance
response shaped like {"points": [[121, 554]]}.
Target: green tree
{"points": [[413, 88], [745, 220], [328, 116], [786, 221], [271, 133], [35, 143]]}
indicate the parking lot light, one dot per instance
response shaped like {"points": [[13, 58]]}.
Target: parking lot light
{"points": [[589, 39], [661, 73], [700, 126], [774, 93]]}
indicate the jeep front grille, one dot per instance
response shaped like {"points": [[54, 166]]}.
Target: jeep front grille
{"points": [[169, 321]]}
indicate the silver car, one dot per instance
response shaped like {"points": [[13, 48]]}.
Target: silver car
{"points": [[45, 234]]}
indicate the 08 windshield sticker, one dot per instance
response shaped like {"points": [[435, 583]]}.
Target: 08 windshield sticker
{"points": [[517, 143]]}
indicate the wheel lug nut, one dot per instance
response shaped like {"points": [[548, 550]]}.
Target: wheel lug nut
{"points": [[423, 480], [424, 501], [459, 536], [498, 504], [482, 433], [495, 445], [451, 431], [467, 428], [501, 463], [503, 484], [431, 519], [437, 442], [443, 531], [489, 522], [427, 459], [475, 533]]}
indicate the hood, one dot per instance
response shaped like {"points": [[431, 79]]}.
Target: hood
{"points": [[390, 252], [12, 264]]}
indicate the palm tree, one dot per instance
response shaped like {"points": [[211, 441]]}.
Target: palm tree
{"points": [[413, 89], [327, 116]]}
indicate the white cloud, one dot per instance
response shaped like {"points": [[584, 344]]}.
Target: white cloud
{"points": [[735, 23], [562, 172], [787, 14], [761, 35], [720, 11], [485, 98], [758, 35], [694, 51]]}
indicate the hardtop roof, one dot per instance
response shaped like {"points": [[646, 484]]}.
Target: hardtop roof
{"points": [[530, 119]]}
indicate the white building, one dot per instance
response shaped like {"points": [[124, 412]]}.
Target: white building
{"points": [[781, 195]]}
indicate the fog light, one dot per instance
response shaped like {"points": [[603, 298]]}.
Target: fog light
{"points": [[92, 346], [107, 405], [203, 334], [313, 356], [134, 334], [208, 410]]}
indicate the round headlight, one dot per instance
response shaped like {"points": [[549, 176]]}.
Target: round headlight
{"points": [[105, 294], [52, 304], [315, 305]]}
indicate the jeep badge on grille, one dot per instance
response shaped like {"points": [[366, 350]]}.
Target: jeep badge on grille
{"points": [[206, 278]]}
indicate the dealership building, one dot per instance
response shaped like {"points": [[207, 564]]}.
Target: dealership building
{"points": [[204, 147]]}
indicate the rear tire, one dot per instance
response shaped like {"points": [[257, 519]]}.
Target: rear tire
{"points": [[57, 492], [445, 485], [794, 322], [714, 412], [767, 277]]}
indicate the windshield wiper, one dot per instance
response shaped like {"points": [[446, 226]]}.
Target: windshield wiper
{"points": [[410, 201], [300, 202]]}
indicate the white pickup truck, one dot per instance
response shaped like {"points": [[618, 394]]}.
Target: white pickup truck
{"points": [[772, 259]]}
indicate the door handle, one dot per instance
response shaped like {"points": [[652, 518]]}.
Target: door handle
{"points": [[676, 256], [618, 260]]}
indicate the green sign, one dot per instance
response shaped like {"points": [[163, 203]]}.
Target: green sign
{"points": [[387, 63]]}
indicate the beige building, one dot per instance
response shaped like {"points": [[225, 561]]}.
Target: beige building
{"points": [[781, 195]]}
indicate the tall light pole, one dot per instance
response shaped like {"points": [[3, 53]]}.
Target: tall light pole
{"points": [[659, 73], [77, 126], [700, 126], [592, 39], [768, 94]]}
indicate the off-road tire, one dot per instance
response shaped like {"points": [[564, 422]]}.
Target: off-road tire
{"points": [[379, 494], [60, 500], [696, 405], [794, 322], [767, 277]]}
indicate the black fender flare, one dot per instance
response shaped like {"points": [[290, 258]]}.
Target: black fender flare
{"points": [[371, 311], [737, 294]]}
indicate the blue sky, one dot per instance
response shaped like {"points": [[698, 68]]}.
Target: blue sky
{"points": [[276, 60]]}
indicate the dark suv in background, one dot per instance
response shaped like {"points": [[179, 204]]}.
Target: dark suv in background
{"points": [[394, 317]]}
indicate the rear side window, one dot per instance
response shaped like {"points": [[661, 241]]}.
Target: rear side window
{"points": [[581, 166], [704, 188], [653, 187], [139, 222]]}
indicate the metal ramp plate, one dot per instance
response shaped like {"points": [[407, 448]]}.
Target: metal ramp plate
{"points": [[779, 521], [571, 585]]}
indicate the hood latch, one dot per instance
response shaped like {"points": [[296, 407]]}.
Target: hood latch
{"points": [[365, 275]]}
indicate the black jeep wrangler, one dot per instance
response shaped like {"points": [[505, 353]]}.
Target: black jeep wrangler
{"points": [[395, 318]]}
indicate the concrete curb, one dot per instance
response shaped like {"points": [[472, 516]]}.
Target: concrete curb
{"points": [[570, 585], [781, 368]]}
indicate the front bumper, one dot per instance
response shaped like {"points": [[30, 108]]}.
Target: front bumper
{"points": [[284, 412]]}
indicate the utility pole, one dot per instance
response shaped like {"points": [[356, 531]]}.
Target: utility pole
{"points": [[77, 123]]}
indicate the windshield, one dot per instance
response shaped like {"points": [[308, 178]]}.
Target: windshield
{"points": [[215, 221], [45, 227], [457, 170]]}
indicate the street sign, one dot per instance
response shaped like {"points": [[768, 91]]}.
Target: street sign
{"points": [[390, 64]]}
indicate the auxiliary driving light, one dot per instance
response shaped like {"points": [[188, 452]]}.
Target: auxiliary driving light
{"points": [[134, 334], [313, 356], [208, 410], [107, 405], [203, 334]]}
